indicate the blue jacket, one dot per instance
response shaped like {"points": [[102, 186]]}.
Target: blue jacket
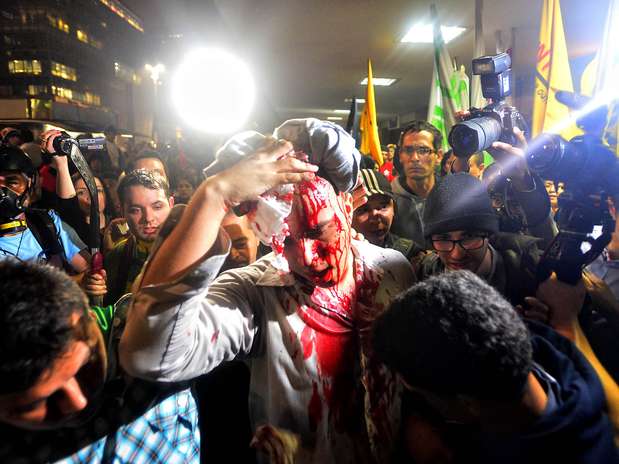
{"points": [[575, 428]]}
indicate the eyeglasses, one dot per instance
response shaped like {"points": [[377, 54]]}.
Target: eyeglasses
{"points": [[420, 150], [468, 243]]}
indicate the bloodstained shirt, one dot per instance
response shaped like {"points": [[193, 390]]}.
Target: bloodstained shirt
{"points": [[312, 370]]}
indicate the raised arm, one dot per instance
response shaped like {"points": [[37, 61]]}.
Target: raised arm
{"points": [[180, 324], [194, 236], [64, 184]]}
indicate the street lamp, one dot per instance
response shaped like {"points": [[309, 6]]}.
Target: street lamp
{"points": [[154, 73]]}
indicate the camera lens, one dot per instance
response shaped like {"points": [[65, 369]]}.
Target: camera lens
{"points": [[474, 135], [545, 153]]}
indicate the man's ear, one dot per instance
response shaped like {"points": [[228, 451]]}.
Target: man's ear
{"points": [[171, 201], [439, 154]]}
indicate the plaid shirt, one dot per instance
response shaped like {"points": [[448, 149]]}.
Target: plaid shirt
{"points": [[166, 433], [132, 421]]}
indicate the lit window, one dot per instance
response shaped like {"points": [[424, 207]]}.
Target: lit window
{"points": [[87, 98], [58, 23], [25, 67], [37, 89], [64, 71], [62, 92], [82, 36], [63, 26], [124, 13]]}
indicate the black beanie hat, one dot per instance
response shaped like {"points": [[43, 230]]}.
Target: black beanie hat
{"points": [[459, 202]]}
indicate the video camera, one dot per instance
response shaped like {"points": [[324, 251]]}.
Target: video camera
{"points": [[62, 145], [590, 171], [495, 122]]}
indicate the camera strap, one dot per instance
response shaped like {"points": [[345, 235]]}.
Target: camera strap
{"points": [[44, 230]]}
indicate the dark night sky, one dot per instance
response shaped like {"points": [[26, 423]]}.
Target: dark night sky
{"points": [[162, 17]]}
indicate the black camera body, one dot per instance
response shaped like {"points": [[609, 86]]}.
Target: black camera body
{"points": [[495, 122], [63, 144], [590, 171], [585, 163]]}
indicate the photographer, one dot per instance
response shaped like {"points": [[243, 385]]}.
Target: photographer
{"points": [[499, 128], [519, 196]]}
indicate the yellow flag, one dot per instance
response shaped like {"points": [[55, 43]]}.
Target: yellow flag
{"points": [[552, 73], [370, 142]]}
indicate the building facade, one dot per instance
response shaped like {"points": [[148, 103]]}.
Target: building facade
{"points": [[75, 61]]}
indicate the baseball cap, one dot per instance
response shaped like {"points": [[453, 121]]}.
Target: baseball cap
{"points": [[375, 183]]}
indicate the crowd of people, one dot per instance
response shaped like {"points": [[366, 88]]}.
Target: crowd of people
{"points": [[298, 304]]}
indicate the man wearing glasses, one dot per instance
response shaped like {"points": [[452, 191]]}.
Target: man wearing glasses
{"points": [[420, 154], [462, 229]]}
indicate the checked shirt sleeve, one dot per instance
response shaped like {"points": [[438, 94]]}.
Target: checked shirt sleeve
{"points": [[166, 433]]}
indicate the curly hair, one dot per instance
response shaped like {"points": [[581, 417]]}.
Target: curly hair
{"points": [[148, 179], [455, 334], [36, 304]]}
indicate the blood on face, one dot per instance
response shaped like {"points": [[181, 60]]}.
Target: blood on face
{"points": [[318, 247]]}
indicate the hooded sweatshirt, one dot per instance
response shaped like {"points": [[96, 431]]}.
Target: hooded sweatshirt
{"points": [[407, 222]]}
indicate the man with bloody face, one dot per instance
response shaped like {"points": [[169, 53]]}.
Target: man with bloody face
{"points": [[300, 316]]}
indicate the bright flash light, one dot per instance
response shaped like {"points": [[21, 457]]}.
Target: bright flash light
{"points": [[424, 33], [213, 91]]}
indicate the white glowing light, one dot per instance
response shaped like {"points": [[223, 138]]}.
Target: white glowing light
{"points": [[424, 33], [381, 81], [154, 71], [213, 91], [334, 118]]}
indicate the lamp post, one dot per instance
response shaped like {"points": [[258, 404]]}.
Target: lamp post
{"points": [[155, 72]]}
